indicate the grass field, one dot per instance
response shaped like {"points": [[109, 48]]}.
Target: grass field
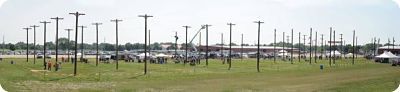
{"points": [[364, 76]]}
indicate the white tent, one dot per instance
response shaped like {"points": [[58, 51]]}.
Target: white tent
{"points": [[337, 53], [397, 90], [282, 51], [349, 54], [161, 55], [2, 90], [387, 55], [282, 54]]}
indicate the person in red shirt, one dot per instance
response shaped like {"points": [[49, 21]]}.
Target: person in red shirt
{"points": [[49, 65]]}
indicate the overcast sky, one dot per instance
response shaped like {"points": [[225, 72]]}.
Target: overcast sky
{"points": [[369, 18]]}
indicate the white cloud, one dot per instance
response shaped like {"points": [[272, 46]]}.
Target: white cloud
{"points": [[2, 2], [397, 2]]}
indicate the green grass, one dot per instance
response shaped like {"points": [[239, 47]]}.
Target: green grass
{"points": [[364, 76]]}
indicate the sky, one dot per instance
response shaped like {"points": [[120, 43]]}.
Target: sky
{"points": [[370, 18]]}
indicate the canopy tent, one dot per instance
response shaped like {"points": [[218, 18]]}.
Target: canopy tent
{"points": [[282, 51], [2, 90], [397, 90], [387, 54], [161, 55], [349, 54], [337, 53], [141, 56], [283, 54]]}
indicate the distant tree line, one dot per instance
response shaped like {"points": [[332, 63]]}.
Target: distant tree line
{"points": [[63, 45]]}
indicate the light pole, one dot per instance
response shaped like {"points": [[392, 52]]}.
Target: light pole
{"points": [[76, 14], [34, 43], [57, 19], [97, 42], [258, 45], [230, 45], [299, 46], [27, 42], [44, 43], [283, 47], [145, 40], [69, 44], [116, 42], [316, 47]]}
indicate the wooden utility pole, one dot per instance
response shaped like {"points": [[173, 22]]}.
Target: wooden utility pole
{"points": [[69, 44], [82, 47], [76, 14], [116, 42], [330, 47], [186, 44], [27, 43], [258, 45], [57, 19], [291, 51], [34, 43], [316, 47], [310, 45], [97, 42], [230, 45], [206, 25], [145, 41], [274, 45], [354, 50], [44, 43]]}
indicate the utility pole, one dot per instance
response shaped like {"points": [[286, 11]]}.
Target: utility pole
{"points": [[330, 47], [82, 52], [291, 51], [305, 46], [34, 43], [316, 47], [27, 43], [57, 19], [186, 44], [356, 48], [310, 44], [354, 51], [116, 42], [341, 46], [230, 45], [77, 14], [222, 48], [393, 43], [283, 47], [69, 44], [176, 44], [145, 41], [44, 43], [322, 45], [241, 48], [206, 25], [97, 42], [274, 45], [374, 46], [149, 43], [258, 45], [299, 46], [334, 46]]}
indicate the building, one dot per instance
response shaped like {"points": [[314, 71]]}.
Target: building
{"points": [[394, 49]]}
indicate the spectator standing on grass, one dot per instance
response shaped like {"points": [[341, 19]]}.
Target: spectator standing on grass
{"points": [[49, 65]]}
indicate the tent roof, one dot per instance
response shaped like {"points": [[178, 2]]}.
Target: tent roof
{"points": [[387, 54], [2, 90]]}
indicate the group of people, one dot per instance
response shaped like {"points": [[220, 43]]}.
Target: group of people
{"points": [[48, 65]]}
